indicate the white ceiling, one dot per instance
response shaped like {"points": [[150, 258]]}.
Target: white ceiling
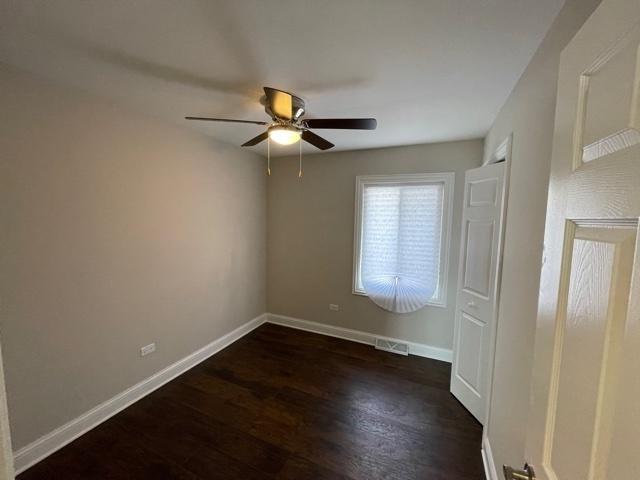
{"points": [[428, 70]]}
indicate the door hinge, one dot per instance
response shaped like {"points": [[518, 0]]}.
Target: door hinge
{"points": [[527, 473]]}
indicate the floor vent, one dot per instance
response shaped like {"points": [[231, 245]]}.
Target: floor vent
{"points": [[391, 346]]}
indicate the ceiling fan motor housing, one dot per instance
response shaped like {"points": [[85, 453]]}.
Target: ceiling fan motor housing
{"points": [[297, 107]]}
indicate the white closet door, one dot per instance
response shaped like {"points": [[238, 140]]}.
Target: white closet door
{"points": [[477, 286]]}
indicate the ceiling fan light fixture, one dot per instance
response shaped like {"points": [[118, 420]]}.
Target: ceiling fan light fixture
{"points": [[284, 135]]}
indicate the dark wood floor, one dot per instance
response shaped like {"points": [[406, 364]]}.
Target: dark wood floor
{"points": [[286, 404]]}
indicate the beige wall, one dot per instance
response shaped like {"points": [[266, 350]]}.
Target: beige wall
{"points": [[310, 238], [116, 231], [529, 114]]}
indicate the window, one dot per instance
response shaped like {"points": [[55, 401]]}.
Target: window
{"points": [[402, 231]]}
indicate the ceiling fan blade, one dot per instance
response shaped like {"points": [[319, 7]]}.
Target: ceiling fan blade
{"points": [[209, 119], [256, 140], [316, 140], [342, 123], [280, 103]]}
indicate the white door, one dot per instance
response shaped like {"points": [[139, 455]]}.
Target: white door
{"points": [[477, 286], [6, 453], [585, 418]]}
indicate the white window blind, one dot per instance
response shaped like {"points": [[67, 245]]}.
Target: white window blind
{"points": [[401, 230]]}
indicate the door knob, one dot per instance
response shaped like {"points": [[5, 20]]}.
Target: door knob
{"points": [[472, 304], [525, 474]]}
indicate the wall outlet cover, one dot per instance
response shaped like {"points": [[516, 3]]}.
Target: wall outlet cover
{"points": [[147, 349]]}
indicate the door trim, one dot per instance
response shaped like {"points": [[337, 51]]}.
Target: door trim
{"points": [[6, 452], [489, 463]]}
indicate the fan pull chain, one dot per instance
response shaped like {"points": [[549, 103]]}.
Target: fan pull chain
{"points": [[300, 153], [269, 156]]}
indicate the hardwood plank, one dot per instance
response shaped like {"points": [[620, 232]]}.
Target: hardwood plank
{"points": [[298, 468]]}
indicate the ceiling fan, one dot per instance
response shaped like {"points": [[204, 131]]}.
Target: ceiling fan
{"points": [[288, 127]]}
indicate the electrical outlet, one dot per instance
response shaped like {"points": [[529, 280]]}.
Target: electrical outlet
{"points": [[147, 349], [334, 307]]}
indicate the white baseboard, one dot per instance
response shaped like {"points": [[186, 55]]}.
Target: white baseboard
{"points": [[418, 349], [487, 459], [49, 443]]}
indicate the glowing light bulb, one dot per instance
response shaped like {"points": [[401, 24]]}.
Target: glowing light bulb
{"points": [[284, 135]]}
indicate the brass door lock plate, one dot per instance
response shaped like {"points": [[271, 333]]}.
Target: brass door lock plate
{"points": [[527, 473]]}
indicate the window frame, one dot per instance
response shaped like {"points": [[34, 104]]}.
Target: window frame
{"points": [[447, 179]]}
